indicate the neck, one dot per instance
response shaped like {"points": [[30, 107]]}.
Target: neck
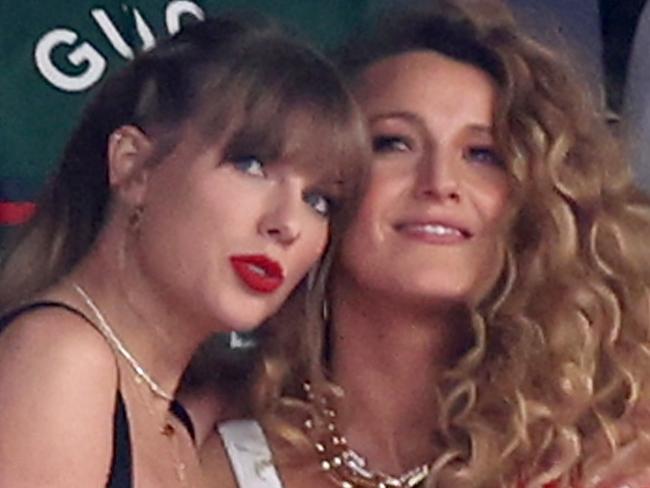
{"points": [[157, 336], [388, 357]]}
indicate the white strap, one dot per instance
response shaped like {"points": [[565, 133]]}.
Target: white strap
{"points": [[249, 453]]}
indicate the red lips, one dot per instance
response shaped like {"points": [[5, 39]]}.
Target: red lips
{"points": [[259, 272]]}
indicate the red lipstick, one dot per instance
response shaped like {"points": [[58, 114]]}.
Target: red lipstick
{"points": [[259, 272]]}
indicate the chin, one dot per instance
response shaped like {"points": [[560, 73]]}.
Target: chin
{"points": [[242, 311], [245, 323], [444, 295], [239, 317], [440, 285]]}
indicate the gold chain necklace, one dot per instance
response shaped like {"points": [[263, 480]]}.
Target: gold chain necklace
{"points": [[141, 376], [169, 432], [342, 464], [107, 331]]}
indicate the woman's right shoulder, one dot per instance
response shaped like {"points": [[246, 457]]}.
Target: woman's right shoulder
{"points": [[55, 330], [59, 380], [52, 343]]}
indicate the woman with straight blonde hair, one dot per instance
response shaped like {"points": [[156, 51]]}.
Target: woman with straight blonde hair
{"points": [[194, 197]]}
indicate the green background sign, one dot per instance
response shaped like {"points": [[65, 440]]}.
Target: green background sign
{"points": [[55, 51]]}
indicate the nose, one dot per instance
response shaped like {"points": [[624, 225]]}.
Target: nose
{"points": [[438, 178], [281, 219]]}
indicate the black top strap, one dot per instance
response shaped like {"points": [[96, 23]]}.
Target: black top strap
{"points": [[121, 474], [179, 411], [12, 314]]}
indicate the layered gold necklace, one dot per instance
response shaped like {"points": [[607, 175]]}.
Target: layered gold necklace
{"points": [[341, 463], [141, 376]]}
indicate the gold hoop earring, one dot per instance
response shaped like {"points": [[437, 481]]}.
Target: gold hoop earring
{"points": [[325, 310], [132, 227]]}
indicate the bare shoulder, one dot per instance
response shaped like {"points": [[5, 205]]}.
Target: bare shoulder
{"points": [[55, 332], [58, 379], [215, 464]]}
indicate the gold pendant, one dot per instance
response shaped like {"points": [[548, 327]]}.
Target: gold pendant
{"points": [[167, 430]]}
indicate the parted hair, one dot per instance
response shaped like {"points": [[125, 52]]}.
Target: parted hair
{"points": [[557, 368]]}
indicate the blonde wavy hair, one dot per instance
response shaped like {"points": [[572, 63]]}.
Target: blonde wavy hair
{"points": [[556, 372]]}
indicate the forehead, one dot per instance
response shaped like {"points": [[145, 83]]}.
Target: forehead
{"points": [[313, 145], [427, 82]]}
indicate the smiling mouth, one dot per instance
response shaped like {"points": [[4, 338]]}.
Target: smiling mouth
{"points": [[435, 233]]}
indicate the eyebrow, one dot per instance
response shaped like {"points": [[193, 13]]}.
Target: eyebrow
{"points": [[409, 116], [415, 119], [482, 129]]}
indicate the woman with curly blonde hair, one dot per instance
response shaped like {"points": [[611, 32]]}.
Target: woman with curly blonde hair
{"points": [[487, 321]]}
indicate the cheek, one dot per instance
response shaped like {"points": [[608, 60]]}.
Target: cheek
{"points": [[492, 264], [380, 193], [491, 199], [361, 250], [312, 246], [321, 237], [365, 237]]}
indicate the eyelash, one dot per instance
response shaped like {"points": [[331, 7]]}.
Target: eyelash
{"points": [[328, 202], [387, 143], [391, 143], [321, 204], [250, 165], [483, 155]]}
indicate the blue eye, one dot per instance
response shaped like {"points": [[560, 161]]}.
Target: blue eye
{"points": [[390, 143], [483, 155], [249, 165], [320, 203]]}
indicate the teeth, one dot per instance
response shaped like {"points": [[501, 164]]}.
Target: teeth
{"points": [[257, 270], [437, 230]]}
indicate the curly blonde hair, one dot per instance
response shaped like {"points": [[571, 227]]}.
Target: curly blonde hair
{"points": [[561, 343]]}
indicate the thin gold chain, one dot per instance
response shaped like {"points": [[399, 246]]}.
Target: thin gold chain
{"points": [[141, 376], [170, 432], [108, 332]]}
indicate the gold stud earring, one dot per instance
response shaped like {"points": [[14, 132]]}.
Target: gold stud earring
{"points": [[136, 217]]}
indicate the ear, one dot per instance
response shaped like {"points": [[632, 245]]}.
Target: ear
{"points": [[129, 150]]}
